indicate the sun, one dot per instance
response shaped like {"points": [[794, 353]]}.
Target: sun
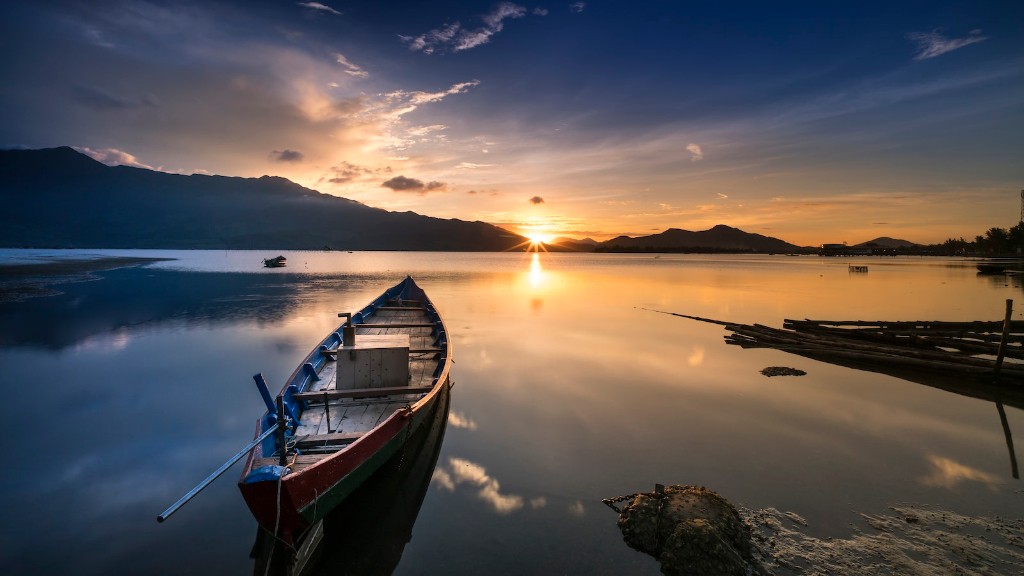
{"points": [[538, 237]]}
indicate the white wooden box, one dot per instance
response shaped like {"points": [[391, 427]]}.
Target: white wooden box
{"points": [[374, 362]]}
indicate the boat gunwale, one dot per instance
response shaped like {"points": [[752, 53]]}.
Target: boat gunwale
{"points": [[313, 358]]}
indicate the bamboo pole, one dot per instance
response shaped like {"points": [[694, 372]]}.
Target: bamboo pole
{"points": [[1002, 341]]}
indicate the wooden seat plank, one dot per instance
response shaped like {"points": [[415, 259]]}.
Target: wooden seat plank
{"points": [[361, 393]]}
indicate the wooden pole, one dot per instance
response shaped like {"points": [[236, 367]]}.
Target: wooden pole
{"points": [[1002, 341], [282, 444], [1009, 440], [209, 479]]}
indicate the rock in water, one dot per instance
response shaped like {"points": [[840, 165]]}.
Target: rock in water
{"points": [[690, 530]]}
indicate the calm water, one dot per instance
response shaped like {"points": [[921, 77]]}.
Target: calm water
{"points": [[125, 391]]}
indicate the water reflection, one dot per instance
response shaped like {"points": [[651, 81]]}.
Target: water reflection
{"points": [[950, 474], [462, 471], [537, 275], [567, 393]]}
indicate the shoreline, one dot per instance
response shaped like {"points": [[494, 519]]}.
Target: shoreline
{"points": [[21, 281]]}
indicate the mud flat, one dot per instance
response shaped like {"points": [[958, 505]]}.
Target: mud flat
{"points": [[22, 280]]}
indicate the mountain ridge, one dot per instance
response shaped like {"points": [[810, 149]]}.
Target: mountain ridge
{"points": [[719, 238], [61, 198]]}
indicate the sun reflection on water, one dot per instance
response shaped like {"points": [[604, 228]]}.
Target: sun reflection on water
{"points": [[537, 274]]}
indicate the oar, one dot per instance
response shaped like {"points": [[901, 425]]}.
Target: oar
{"points": [[191, 493]]}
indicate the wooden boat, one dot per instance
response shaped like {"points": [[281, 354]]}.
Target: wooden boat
{"points": [[352, 403], [276, 262], [368, 532]]}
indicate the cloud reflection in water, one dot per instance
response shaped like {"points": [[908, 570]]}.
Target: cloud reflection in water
{"points": [[948, 473], [462, 471]]}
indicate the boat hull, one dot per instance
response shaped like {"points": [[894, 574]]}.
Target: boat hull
{"points": [[286, 500], [307, 497]]}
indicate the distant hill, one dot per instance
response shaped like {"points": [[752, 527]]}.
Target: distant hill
{"points": [[886, 242], [721, 238], [59, 198], [562, 244]]}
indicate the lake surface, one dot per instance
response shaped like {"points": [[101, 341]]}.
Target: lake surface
{"points": [[126, 390]]}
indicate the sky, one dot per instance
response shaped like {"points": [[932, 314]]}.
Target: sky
{"points": [[813, 122]]}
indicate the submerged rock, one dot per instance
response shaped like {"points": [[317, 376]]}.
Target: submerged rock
{"points": [[690, 530]]}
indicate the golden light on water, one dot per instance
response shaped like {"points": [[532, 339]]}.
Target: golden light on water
{"points": [[537, 275]]}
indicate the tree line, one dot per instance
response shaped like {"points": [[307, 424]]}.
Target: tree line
{"points": [[994, 242]]}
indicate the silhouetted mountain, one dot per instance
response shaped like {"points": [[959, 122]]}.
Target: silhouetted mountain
{"points": [[886, 242], [721, 238], [562, 244], [60, 198]]}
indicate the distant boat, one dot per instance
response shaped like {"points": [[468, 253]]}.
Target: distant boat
{"points": [[1000, 265], [991, 268], [353, 402], [278, 262]]}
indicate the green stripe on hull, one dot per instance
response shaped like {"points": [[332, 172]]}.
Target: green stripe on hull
{"points": [[344, 487]]}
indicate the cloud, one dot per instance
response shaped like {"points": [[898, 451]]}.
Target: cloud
{"points": [[112, 157], [425, 130], [538, 502], [471, 166], [932, 44], [721, 196], [457, 38], [345, 172], [350, 68], [540, 11], [287, 155], [536, 200], [404, 184], [319, 7], [577, 7], [697, 153]]}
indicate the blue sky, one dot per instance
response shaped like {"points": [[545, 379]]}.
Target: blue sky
{"points": [[810, 121]]}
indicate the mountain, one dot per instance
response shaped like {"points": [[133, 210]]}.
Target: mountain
{"points": [[886, 242], [59, 198], [721, 238], [563, 244]]}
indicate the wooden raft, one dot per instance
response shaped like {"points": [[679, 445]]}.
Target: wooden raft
{"points": [[977, 348]]}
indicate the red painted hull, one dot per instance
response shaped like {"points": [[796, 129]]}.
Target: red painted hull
{"points": [[288, 505]]}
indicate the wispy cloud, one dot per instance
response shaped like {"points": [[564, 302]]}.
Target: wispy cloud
{"points": [[536, 200], [577, 6], [695, 151], [453, 36], [932, 44], [405, 184], [350, 68], [319, 7], [112, 157], [345, 172], [471, 166]]}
